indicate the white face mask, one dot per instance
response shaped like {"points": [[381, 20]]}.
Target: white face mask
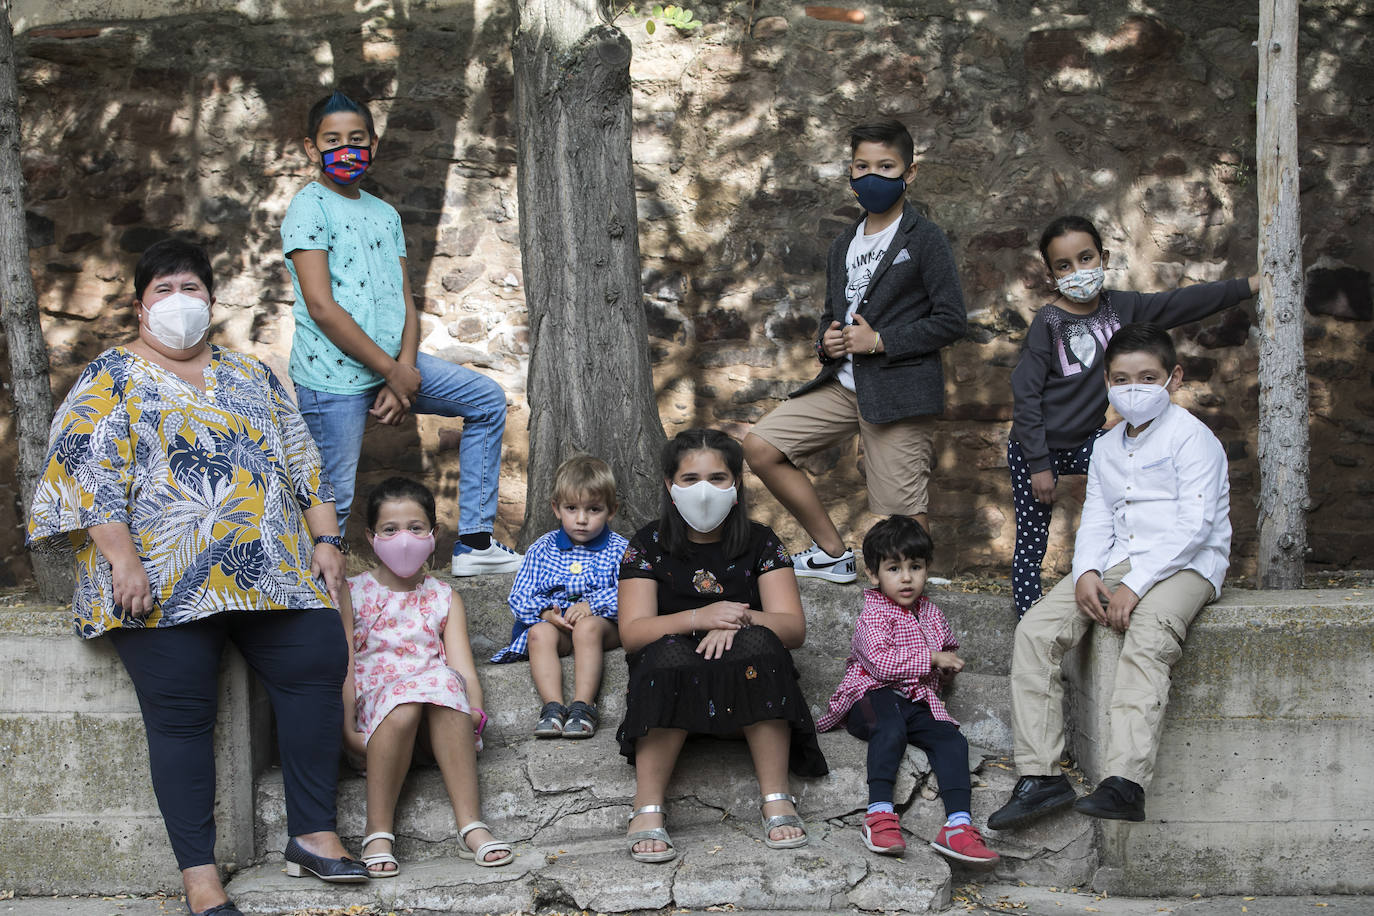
{"points": [[1081, 285], [703, 505], [1138, 404], [179, 321]]}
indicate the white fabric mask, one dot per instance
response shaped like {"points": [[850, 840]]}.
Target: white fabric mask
{"points": [[1081, 285], [1138, 404], [703, 505], [179, 321]]}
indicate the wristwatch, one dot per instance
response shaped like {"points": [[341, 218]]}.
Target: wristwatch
{"points": [[333, 540]]}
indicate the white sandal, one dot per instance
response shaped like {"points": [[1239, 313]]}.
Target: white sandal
{"points": [[380, 858], [653, 833], [782, 820], [479, 855]]}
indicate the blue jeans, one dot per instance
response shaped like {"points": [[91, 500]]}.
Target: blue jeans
{"points": [[336, 422]]}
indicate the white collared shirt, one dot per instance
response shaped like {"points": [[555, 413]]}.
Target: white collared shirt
{"points": [[1160, 499]]}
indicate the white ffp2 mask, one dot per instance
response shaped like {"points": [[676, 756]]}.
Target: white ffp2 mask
{"points": [[1138, 404], [179, 321], [703, 505]]}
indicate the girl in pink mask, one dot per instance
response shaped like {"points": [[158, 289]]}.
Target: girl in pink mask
{"points": [[412, 667]]}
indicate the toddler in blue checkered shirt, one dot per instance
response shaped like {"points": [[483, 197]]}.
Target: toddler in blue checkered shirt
{"points": [[564, 598]]}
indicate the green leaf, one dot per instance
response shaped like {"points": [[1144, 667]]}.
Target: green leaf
{"points": [[657, 10], [686, 15], [649, 26]]}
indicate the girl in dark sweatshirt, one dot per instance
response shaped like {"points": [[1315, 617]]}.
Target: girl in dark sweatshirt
{"points": [[1060, 396]]}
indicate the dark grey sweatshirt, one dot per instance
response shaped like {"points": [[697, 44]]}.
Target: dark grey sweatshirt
{"points": [[1060, 394]]}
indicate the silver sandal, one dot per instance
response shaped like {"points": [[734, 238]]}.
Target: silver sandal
{"points": [[782, 820], [653, 833], [380, 858]]}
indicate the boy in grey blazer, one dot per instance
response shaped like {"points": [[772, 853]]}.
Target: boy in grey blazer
{"points": [[892, 301]]}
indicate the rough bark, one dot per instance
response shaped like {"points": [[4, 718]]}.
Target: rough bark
{"points": [[1283, 451], [19, 314], [590, 388]]}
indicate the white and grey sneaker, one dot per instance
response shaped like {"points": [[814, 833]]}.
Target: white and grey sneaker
{"points": [[496, 558], [817, 564]]}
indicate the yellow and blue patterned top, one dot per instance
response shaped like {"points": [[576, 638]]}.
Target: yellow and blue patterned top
{"points": [[212, 484]]}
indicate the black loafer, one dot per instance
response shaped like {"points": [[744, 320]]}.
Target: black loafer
{"points": [[1115, 799], [1033, 798], [336, 871], [226, 908]]}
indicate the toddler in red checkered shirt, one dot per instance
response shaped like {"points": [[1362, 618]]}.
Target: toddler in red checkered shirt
{"points": [[901, 656]]}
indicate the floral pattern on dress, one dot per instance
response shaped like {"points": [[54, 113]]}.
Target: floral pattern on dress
{"points": [[213, 485], [398, 650]]}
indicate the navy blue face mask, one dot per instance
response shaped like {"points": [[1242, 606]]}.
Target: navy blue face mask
{"points": [[876, 193]]}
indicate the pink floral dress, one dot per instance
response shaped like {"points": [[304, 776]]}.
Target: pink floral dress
{"points": [[398, 650]]}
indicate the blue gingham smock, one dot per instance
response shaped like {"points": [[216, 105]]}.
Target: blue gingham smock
{"points": [[558, 573]]}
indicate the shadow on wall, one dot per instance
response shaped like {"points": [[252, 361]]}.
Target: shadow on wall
{"points": [[192, 124], [138, 130], [1144, 125]]}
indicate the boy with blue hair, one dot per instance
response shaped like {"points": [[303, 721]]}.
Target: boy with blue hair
{"points": [[892, 302], [1152, 549], [355, 352]]}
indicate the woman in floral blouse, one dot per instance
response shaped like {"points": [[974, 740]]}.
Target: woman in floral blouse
{"points": [[185, 483]]}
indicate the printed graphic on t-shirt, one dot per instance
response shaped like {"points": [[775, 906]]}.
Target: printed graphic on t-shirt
{"points": [[1078, 341], [861, 272], [861, 260]]}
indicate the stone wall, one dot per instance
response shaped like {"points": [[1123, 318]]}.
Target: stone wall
{"points": [[192, 124]]}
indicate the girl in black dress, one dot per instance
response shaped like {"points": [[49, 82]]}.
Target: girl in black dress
{"points": [[709, 608]]}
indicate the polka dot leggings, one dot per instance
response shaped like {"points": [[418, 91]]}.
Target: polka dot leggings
{"points": [[1033, 516]]}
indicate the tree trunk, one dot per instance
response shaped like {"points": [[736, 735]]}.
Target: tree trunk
{"points": [[1283, 501], [590, 388], [19, 315]]}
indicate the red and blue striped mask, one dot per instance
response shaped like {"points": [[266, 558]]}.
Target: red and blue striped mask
{"points": [[346, 164]]}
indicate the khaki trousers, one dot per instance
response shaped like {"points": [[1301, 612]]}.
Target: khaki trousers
{"points": [[1153, 643], [897, 455]]}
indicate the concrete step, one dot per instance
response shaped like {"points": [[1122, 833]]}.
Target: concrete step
{"points": [[979, 701], [1059, 851], [723, 865], [984, 624], [566, 819], [556, 791]]}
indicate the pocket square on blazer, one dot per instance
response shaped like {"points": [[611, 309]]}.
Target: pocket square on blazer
{"points": [[902, 255]]}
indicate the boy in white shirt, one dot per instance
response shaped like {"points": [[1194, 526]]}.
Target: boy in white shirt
{"points": [[1152, 549]]}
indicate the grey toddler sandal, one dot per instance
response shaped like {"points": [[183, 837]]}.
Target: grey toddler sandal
{"points": [[582, 720], [551, 719]]}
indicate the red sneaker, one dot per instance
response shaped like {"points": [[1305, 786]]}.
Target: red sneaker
{"points": [[964, 843], [882, 833]]}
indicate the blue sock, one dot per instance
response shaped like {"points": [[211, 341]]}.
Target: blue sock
{"points": [[876, 807], [958, 819]]}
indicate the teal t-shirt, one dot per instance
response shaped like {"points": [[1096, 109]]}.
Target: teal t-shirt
{"points": [[365, 245]]}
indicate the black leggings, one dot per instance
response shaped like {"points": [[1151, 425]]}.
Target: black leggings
{"points": [[300, 656], [888, 721], [1033, 516]]}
